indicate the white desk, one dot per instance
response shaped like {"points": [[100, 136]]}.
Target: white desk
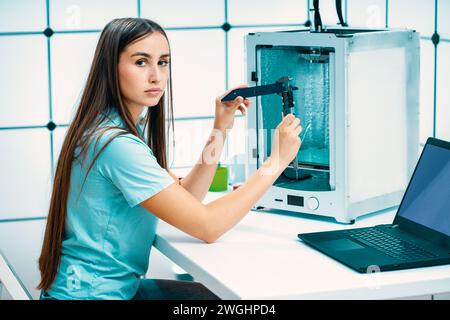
{"points": [[261, 258]]}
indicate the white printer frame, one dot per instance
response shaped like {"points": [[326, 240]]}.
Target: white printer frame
{"points": [[373, 129]]}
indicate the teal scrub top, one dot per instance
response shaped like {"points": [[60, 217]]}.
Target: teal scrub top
{"points": [[108, 235]]}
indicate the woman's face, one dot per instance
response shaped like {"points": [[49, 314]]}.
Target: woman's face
{"points": [[144, 71]]}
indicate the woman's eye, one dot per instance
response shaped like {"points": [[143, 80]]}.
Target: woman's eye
{"points": [[140, 63], [164, 62]]}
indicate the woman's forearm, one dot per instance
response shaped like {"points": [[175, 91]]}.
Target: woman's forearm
{"points": [[199, 179], [228, 210]]}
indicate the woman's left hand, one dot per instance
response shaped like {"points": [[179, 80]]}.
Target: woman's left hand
{"points": [[224, 117]]}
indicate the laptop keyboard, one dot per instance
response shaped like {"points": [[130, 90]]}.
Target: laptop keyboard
{"points": [[389, 244]]}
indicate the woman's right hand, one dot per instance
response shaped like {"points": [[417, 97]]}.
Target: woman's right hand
{"points": [[286, 141]]}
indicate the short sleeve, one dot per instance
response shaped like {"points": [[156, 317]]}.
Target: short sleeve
{"points": [[131, 166]]}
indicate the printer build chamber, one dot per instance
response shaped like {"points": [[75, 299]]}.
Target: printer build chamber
{"points": [[358, 101]]}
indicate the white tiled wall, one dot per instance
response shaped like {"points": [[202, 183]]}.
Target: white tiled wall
{"points": [[417, 14], [443, 22], [41, 79], [24, 99], [181, 13], [25, 173], [21, 244], [252, 12], [443, 92], [22, 15], [426, 89], [198, 61], [88, 14], [367, 13], [71, 56]]}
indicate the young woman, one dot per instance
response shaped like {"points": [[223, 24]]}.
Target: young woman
{"points": [[112, 182]]}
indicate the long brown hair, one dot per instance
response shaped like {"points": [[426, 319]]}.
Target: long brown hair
{"points": [[100, 94]]}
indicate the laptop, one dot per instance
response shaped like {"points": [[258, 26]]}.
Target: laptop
{"points": [[420, 233]]}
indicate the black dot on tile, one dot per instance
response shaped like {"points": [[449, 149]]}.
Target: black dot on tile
{"points": [[48, 32], [51, 126], [226, 27], [435, 38]]}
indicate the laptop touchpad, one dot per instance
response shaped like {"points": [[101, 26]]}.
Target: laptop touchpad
{"points": [[341, 244]]}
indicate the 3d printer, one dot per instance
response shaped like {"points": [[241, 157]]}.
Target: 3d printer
{"points": [[357, 95]]}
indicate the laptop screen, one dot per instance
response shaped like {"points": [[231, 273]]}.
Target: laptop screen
{"points": [[427, 199]]}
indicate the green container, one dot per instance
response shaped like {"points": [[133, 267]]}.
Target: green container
{"points": [[220, 180]]}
